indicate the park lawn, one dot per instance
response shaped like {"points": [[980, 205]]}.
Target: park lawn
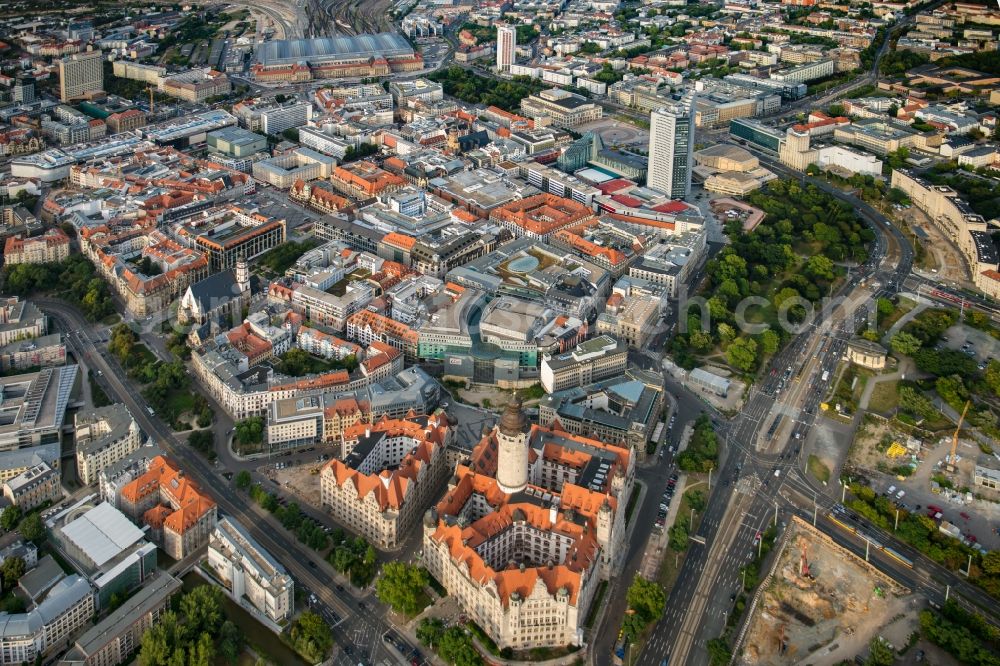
{"points": [[671, 565], [884, 397], [818, 469], [904, 306]]}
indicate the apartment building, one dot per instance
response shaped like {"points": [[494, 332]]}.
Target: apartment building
{"points": [[115, 639], [366, 326], [32, 487], [599, 358], [250, 575], [386, 481], [953, 216], [527, 529], [50, 247], [40, 352], [180, 516], [103, 437], [540, 216]]}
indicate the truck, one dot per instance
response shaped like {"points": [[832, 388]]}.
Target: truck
{"points": [[949, 529], [826, 376]]}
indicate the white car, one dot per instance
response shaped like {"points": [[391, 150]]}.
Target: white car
{"points": [[891, 490], [900, 494]]}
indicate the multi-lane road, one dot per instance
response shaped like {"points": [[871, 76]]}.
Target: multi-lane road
{"points": [[698, 604], [358, 620]]}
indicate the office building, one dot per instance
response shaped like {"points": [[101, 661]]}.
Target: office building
{"points": [[506, 47], [528, 527], [180, 516], [104, 546], [250, 575], [671, 148], [67, 607], [33, 406], [622, 410], [599, 358], [80, 75], [560, 108], [24, 89]]}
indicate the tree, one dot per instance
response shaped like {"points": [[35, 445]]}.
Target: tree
{"points": [[991, 562], [10, 517], [203, 441], [243, 480], [718, 652], [12, 570], [31, 528], [992, 376], [742, 354], [952, 390], [429, 631], [879, 653], [769, 342], [311, 636], [230, 641], [819, 267], [402, 586], [905, 343], [202, 609], [251, 431], [646, 598], [456, 648]]}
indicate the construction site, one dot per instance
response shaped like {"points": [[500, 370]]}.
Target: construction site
{"points": [[822, 604]]}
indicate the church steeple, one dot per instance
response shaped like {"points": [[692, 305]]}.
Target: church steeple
{"points": [[242, 275]]}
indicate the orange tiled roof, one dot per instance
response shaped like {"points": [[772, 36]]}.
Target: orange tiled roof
{"points": [[399, 240], [543, 213], [390, 487], [182, 503], [574, 502]]}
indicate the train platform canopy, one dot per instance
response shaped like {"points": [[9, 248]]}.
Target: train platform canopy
{"points": [[319, 49]]}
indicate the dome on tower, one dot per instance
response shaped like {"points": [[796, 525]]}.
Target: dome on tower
{"points": [[514, 421]]}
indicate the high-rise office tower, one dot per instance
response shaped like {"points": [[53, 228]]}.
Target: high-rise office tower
{"points": [[80, 74], [506, 46], [671, 148], [24, 88]]}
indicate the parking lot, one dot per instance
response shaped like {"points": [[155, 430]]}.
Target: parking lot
{"points": [[977, 344]]}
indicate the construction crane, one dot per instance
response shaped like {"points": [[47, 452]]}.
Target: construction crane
{"points": [[804, 563], [953, 458]]}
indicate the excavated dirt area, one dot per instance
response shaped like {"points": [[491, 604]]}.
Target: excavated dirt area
{"points": [[822, 605]]}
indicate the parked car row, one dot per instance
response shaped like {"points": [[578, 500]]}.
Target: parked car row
{"points": [[668, 496]]}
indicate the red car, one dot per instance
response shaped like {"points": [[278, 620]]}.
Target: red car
{"points": [[935, 509], [965, 516]]}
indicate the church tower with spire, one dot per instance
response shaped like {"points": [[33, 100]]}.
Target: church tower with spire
{"points": [[512, 448], [242, 275]]}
